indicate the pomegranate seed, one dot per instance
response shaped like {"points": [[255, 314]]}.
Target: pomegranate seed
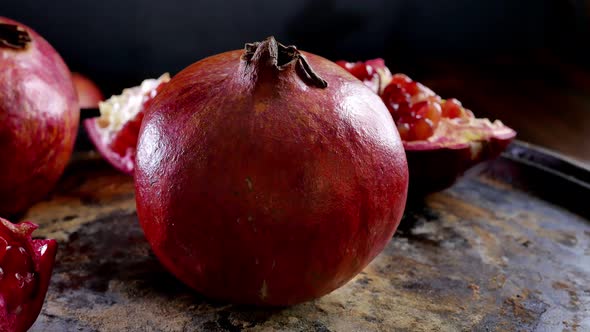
{"points": [[412, 88], [342, 63], [421, 129], [362, 71], [396, 99], [404, 130], [452, 108], [428, 110], [401, 79]]}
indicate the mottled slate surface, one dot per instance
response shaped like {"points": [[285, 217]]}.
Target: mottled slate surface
{"points": [[481, 256]]}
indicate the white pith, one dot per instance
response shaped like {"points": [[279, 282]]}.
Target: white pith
{"points": [[464, 130], [116, 111]]}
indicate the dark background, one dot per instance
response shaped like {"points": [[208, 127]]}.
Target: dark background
{"points": [[524, 61]]}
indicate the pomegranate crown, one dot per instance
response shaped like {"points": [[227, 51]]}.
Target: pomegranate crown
{"points": [[13, 36], [281, 57]]}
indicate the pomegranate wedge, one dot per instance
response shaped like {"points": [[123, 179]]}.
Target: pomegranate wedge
{"points": [[114, 133]]}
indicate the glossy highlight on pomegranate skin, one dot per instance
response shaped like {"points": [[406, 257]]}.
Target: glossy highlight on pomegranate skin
{"points": [[39, 117], [268, 176]]}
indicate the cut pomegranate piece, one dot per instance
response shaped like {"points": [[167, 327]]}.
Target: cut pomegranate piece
{"points": [[25, 270], [456, 145], [114, 133], [442, 139], [373, 73]]}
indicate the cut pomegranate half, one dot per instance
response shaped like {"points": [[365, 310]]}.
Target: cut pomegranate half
{"points": [[456, 145], [442, 139], [25, 271], [114, 133]]}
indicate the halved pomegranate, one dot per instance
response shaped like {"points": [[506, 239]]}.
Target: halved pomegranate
{"points": [[442, 139], [25, 270], [114, 133]]}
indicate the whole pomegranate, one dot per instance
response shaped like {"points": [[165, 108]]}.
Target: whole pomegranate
{"points": [[39, 116], [268, 175], [89, 94], [25, 271]]}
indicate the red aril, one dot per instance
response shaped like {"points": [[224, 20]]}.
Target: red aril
{"points": [[89, 94], [114, 133], [25, 271], [268, 175], [452, 108], [421, 129], [39, 117], [404, 130], [430, 110]]}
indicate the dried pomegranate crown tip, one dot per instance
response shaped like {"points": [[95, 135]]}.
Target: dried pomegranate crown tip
{"points": [[281, 57], [12, 36]]}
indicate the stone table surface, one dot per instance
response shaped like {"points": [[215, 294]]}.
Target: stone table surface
{"points": [[481, 256]]}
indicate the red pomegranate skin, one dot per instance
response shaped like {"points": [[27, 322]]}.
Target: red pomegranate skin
{"points": [[42, 253], [39, 117], [250, 193]]}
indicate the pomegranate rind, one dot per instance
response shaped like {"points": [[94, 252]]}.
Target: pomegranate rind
{"points": [[43, 254], [457, 146]]}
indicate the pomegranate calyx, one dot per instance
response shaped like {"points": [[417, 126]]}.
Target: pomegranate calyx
{"points": [[281, 57], [12, 36]]}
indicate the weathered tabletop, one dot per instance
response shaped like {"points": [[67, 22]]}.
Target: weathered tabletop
{"points": [[481, 256]]}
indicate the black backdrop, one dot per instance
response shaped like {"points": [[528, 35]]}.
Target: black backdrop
{"points": [[120, 42]]}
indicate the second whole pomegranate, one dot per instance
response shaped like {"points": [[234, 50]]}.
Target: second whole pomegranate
{"points": [[268, 175]]}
